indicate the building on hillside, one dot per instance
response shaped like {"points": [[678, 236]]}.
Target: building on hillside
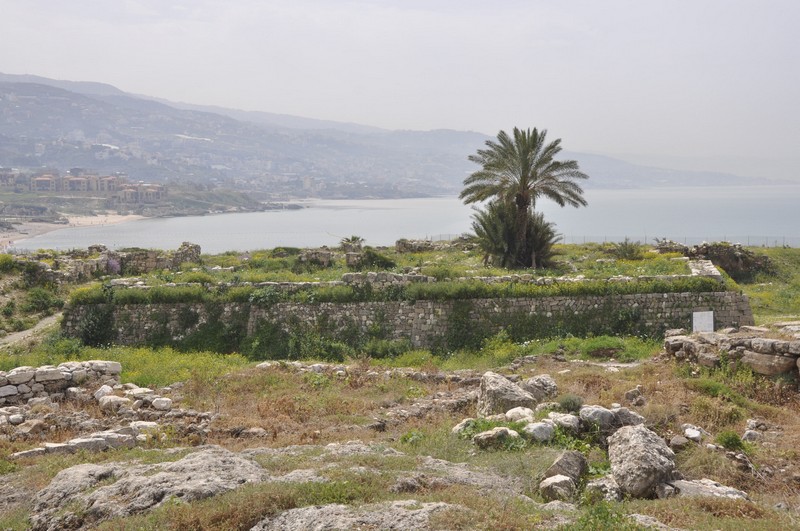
{"points": [[141, 193]]}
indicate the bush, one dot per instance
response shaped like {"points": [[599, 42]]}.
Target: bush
{"points": [[199, 277], [374, 260], [570, 403], [41, 300], [730, 440], [6, 263], [627, 250], [385, 348]]}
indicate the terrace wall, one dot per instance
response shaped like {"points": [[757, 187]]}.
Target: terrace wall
{"points": [[424, 323]]}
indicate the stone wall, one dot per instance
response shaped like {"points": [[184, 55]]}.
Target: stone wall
{"points": [[79, 266], [425, 323], [23, 383], [773, 351]]}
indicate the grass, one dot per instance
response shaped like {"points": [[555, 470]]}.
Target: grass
{"points": [[313, 409], [146, 367], [776, 297]]}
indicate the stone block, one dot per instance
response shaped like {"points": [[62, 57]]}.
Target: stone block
{"points": [[48, 374], [8, 390], [769, 364], [20, 375]]}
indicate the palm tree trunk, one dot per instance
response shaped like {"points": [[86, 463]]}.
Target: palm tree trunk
{"points": [[522, 201]]}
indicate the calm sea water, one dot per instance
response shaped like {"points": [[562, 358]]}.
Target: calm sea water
{"points": [[764, 215]]}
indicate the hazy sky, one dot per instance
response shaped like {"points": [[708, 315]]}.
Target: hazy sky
{"points": [[706, 84]]}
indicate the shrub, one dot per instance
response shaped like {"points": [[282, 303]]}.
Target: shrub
{"points": [[627, 250], [730, 440], [570, 403], [374, 260], [385, 348], [41, 300], [6, 263], [199, 277]]}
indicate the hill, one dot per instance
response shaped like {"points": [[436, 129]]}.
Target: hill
{"points": [[66, 124]]}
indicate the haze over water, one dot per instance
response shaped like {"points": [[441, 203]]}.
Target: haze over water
{"points": [[758, 215]]}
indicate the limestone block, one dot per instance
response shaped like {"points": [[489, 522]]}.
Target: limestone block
{"points": [[35, 452], [557, 488], [540, 431], [603, 418], [495, 437], [762, 345], [8, 390], [570, 463], [48, 374], [92, 444], [112, 403], [519, 413], [769, 364], [497, 394], [565, 420], [104, 390], [603, 488], [640, 460], [20, 375], [706, 488], [59, 448], [626, 417], [162, 404]]}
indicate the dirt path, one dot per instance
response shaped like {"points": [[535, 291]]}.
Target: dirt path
{"points": [[16, 337]]}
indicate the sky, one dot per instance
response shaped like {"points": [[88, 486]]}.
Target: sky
{"points": [[687, 84]]}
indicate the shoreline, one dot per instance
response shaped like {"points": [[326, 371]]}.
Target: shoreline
{"points": [[29, 229]]}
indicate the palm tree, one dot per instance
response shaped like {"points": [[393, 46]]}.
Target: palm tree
{"points": [[496, 231], [518, 171]]}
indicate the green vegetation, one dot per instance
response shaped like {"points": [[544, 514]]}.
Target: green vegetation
{"points": [[514, 173], [776, 297]]}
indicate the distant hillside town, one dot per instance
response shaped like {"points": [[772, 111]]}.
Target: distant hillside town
{"points": [[77, 181]]}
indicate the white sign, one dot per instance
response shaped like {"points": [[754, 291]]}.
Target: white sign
{"points": [[703, 322]]}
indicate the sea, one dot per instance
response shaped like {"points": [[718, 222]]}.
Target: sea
{"points": [[751, 215]]}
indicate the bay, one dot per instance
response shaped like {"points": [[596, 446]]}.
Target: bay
{"points": [[754, 215]]}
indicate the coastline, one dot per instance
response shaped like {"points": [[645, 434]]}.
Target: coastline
{"points": [[29, 229]]}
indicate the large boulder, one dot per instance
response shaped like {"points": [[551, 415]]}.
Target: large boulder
{"points": [[396, 515], [498, 394], [603, 418], [85, 494], [541, 387], [769, 364], [570, 463], [640, 460]]}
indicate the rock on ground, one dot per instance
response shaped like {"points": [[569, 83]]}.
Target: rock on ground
{"points": [[640, 460], [705, 488], [604, 488], [400, 515], [570, 463], [87, 493], [541, 387], [557, 487], [498, 394], [495, 438]]}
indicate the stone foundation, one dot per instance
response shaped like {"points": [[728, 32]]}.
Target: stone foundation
{"points": [[23, 383]]}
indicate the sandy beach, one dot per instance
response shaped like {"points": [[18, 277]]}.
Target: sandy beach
{"points": [[23, 231]]}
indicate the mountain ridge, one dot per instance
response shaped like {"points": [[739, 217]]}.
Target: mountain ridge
{"points": [[64, 124]]}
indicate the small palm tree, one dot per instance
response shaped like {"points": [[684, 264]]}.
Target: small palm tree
{"points": [[518, 170], [352, 243], [496, 231]]}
